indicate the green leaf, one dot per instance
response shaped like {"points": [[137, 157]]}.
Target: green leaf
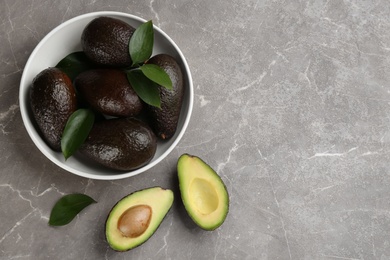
{"points": [[157, 74], [67, 208], [141, 43], [76, 131], [74, 64], [146, 89]]}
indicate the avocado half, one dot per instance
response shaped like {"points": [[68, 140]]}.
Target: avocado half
{"points": [[203, 192], [135, 218]]}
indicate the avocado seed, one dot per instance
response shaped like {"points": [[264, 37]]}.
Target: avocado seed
{"points": [[135, 220]]}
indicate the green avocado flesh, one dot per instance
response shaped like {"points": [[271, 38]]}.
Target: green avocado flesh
{"points": [[203, 192], [135, 218]]}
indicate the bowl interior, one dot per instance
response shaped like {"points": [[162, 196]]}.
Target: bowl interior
{"points": [[64, 40]]}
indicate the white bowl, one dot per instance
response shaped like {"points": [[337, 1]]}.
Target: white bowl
{"points": [[65, 39]]}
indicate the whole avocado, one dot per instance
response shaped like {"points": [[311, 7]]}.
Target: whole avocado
{"points": [[120, 143], [105, 40], [108, 91], [53, 100], [164, 120]]}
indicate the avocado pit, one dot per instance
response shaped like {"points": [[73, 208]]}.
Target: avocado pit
{"points": [[135, 220], [136, 217]]}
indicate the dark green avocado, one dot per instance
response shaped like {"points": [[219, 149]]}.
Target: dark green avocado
{"points": [[105, 41], [136, 217], [164, 120], [108, 91], [120, 143], [52, 99]]}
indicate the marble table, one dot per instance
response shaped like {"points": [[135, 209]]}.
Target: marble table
{"points": [[292, 109]]}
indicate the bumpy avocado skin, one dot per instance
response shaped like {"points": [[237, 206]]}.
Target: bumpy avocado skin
{"points": [[108, 91], [164, 120], [121, 143], [52, 99], [105, 41]]}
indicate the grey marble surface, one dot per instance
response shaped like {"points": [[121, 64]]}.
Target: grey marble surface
{"points": [[292, 108]]}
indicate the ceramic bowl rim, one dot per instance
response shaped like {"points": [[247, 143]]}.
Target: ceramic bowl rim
{"points": [[38, 140]]}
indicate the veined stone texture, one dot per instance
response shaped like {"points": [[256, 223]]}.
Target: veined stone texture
{"points": [[292, 109]]}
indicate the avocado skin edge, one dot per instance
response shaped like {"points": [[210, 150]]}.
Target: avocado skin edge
{"points": [[224, 186], [105, 225]]}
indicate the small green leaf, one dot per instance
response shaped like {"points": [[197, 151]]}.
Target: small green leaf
{"points": [[141, 43], [67, 208], [146, 89], [157, 74], [76, 131], [75, 63]]}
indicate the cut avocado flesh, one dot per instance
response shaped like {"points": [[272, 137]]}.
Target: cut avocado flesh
{"points": [[136, 217], [203, 192]]}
